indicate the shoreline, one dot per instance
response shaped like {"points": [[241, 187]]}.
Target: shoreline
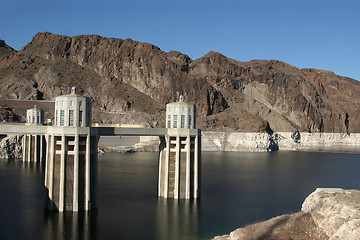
{"points": [[254, 142], [10, 146]]}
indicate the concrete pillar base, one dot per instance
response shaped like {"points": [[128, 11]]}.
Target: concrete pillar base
{"points": [[71, 171], [179, 160]]}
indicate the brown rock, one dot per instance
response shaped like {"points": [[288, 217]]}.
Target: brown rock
{"points": [[327, 213], [297, 226], [11, 146], [125, 76]]}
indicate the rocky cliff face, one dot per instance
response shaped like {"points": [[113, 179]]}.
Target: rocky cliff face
{"points": [[336, 211], [286, 97], [11, 147], [125, 76]]}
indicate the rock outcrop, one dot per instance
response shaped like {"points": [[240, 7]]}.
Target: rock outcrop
{"points": [[306, 141], [11, 146], [329, 213], [238, 141], [336, 211], [147, 144], [297, 226], [130, 81]]}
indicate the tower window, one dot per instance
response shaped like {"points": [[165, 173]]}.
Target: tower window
{"points": [[62, 116], [80, 118], [190, 120], [168, 125], [88, 118], [182, 121], [71, 118], [175, 121]]}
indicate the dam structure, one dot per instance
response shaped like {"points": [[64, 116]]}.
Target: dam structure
{"points": [[179, 153], [34, 145], [70, 149]]}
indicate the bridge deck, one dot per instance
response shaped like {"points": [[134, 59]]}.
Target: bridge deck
{"points": [[100, 131]]}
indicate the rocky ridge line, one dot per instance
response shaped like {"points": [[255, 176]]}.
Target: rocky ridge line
{"points": [[130, 81]]}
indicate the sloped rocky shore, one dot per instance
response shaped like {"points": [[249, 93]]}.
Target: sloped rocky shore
{"points": [[327, 213], [11, 146]]}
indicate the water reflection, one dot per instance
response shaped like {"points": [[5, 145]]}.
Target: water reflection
{"points": [[31, 167], [177, 219], [70, 225], [237, 189]]}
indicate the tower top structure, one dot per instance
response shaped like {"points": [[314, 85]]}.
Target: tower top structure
{"points": [[34, 116], [180, 114], [73, 110]]}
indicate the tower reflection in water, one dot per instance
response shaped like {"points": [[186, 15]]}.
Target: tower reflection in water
{"points": [[71, 225], [177, 219], [64, 225]]}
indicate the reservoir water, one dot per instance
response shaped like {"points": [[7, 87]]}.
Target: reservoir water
{"points": [[236, 189]]}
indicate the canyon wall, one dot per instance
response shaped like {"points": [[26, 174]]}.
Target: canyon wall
{"points": [[131, 82]]}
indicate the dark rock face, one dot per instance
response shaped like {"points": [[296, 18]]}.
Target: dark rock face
{"points": [[11, 146], [296, 136], [7, 115], [288, 98], [125, 76]]}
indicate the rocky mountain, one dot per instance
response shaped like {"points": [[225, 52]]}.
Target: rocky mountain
{"points": [[130, 82]]}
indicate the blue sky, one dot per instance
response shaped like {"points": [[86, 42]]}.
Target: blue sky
{"points": [[323, 34]]}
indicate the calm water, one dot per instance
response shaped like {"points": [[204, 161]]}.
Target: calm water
{"points": [[237, 189]]}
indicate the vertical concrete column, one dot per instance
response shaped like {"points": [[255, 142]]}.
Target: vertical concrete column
{"points": [[177, 168], [62, 175], [161, 162], [166, 177], [29, 149], [50, 169], [46, 160], [87, 173], [187, 173], [41, 148], [35, 148], [76, 175], [47, 139], [94, 147], [24, 148], [163, 167], [196, 166]]}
